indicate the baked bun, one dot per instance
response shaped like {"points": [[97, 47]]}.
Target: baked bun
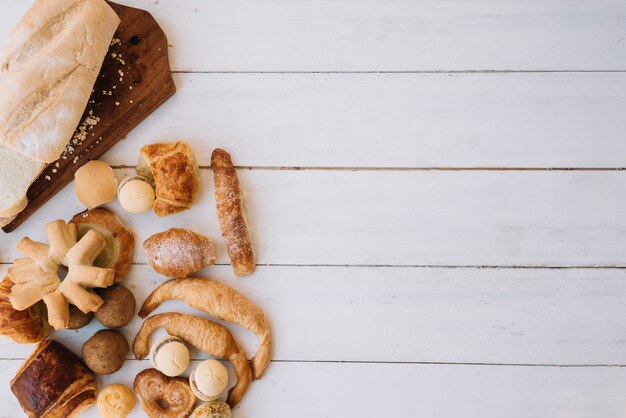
{"points": [[24, 327], [53, 383], [115, 401], [179, 252], [105, 352], [176, 176], [120, 240]]}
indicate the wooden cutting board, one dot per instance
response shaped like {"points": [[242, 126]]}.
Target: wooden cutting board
{"points": [[135, 80]]}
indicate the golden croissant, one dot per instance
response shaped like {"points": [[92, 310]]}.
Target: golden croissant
{"points": [[205, 335], [222, 302]]}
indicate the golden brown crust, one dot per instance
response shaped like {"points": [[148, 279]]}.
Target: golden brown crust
{"points": [[120, 240], [178, 252], [221, 301], [164, 397], [173, 168], [231, 214], [53, 383], [24, 327], [204, 335]]}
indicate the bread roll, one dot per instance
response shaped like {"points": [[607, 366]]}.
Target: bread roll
{"points": [[231, 214], [47, 72], [179, 252]]}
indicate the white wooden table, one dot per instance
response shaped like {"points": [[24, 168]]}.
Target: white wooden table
{"points": [[435, 192]]}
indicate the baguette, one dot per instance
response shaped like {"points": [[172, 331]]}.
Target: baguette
{"points": [[231, 215], [47, 71]]}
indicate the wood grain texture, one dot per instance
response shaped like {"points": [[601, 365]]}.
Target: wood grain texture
{"points": [[313, 390], [445, 218], [134, 80], [381, 35], [394, 120], [375, 314]]}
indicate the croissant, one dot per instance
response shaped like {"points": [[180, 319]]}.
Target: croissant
{"points": [[222, 302], [54, 383], [24, 327], [204, 335]]}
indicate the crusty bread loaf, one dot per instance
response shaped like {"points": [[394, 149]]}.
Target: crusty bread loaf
{"points": [[17, 173], [47, 71]]}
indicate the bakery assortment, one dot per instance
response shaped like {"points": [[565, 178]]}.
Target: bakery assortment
{"points": [[53, 382], [205, 335], [179, 252], [231, 214], [173, 169], [105, 352], [36, 277], [120, 241], [209, 380], [23, 327], [213, 409], [118, 308], [115, 401], [164, 397], [47, 73], [136, 194], [170, 356], [222, 302]]}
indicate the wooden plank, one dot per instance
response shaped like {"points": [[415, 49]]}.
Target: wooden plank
{"points": [[345, 35], [312, 390], [327, 217], [496, 316], [394, 120]]}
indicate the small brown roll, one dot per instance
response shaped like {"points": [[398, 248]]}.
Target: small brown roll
{"points": [[118, 308], [105, 352]]}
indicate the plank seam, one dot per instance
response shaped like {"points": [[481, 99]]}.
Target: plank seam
{"points": [[558, 71], [433, 168]]}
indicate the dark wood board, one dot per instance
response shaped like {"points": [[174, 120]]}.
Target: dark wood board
{"points": [[134, 81]]}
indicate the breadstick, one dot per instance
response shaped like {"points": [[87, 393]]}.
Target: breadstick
{"points": [[204, 335], [231, 215], [222, 302]]}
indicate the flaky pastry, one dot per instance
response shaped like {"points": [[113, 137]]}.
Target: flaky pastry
{"points": [[36, 277], [222, 302], [204, 335]]}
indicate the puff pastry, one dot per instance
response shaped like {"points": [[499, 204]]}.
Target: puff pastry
{"points": [[204, 335], [176, 176], [222, 302], [24, 327], [54, 383], [231, 214], [164, 397]]}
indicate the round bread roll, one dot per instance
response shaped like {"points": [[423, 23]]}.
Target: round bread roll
{"points": [[213, 409], [136, 194], [115, 401], [105, 352], [209, 380], [120, 240], [95, 184], [170, 356], [78, 318], [118, 308]]}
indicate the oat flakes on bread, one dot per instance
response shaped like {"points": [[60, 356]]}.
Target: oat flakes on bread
{"points": [[179, 252], [48, 68], [173, 169]]}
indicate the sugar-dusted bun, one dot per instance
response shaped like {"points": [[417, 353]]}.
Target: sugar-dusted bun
{"points": [[179, 252]]}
